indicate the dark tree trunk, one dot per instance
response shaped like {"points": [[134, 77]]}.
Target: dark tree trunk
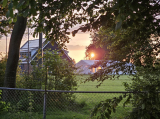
{"points": [[13, 58], [13, 55]]}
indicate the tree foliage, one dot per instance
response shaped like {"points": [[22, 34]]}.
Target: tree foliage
{"points": [[61, 71], [55, 74], [146, 102], [58, 72], [53, 18], [137, 39], [131, 27], [134, 38], [98, 51], [2, 70], [5, 25]]}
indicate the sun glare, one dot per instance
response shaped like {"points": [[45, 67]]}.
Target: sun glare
{"points": [[92, 55]]}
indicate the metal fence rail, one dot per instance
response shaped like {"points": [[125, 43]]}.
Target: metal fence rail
{"points": [[30, 103]]}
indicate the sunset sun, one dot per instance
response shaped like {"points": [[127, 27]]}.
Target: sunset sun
{"points": [[92, 55]]}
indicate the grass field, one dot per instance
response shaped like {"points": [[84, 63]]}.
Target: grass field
{"points": [[86, 101], [107, 85], [89, 100]]}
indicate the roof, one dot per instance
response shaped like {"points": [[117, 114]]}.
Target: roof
{"points": [[87, 62], [33, 44], [33, 48], [90, 62]]}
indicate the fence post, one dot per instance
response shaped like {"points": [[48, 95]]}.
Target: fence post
{"points": [[44, 104]]}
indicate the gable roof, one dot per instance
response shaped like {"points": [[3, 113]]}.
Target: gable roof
{"points": [[34, 46]]}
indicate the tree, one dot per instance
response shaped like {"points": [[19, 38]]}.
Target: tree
{"points": [[128, 26], [98, 51], [136, 40], [54, 18], [56, 14], [134, 37], [55, 74]]}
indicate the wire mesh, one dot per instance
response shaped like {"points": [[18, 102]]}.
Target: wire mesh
{"points": [[28, 103]]}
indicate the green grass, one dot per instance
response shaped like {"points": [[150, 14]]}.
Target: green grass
{"points": [[91, 99], [85, 101], [107, 85]]}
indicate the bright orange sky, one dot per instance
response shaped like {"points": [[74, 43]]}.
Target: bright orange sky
{"points": [[76, 46]]}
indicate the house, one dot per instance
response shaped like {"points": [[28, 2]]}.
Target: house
{"points": [[84, 67], [88, 67], [33, 50]]}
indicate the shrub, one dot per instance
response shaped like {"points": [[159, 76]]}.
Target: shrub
{"points": [[55, 74], [146, 103], [2, 70], [144, 99], [4, 107]]}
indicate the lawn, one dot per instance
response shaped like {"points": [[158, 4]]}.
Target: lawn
{"points": [[107, 85], [84, 102], [89, 100]]}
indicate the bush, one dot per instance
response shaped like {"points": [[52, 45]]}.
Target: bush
{"points": [[56, 74], [146, 103], [2, 70], [4, 107], [144, 99]]}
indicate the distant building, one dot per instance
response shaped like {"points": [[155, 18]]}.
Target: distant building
{"points": [[89, 67], [33, 50], [84, 67]]}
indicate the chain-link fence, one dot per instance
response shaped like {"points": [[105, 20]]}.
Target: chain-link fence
{"points": [[34, 104]]}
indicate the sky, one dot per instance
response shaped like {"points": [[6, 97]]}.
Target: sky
{"points": [[76, 46]]}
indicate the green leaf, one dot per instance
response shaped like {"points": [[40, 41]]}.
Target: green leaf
{"points": [[4, 3]]}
